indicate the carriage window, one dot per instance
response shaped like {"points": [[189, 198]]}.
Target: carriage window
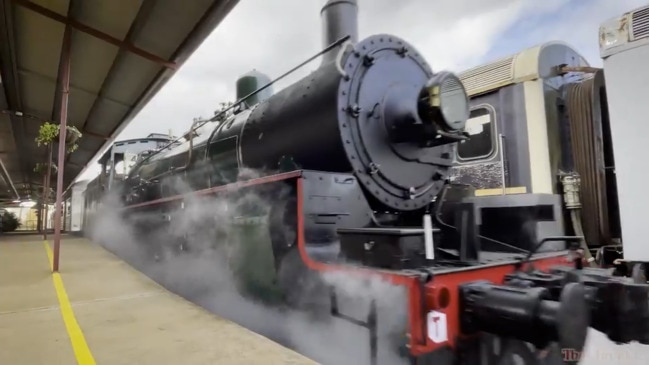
{"points": [[480, 128], [225, 165]]}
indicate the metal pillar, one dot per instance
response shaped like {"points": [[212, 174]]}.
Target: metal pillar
{"points": [[65, 91], [41, 207], [111, 174], [64, 214], [46, 191]]}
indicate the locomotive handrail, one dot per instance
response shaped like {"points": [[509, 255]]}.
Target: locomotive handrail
{"points": [[545, 240], [219, 189], [190, 139], [438, 218], [339, 58], [236, 103]]}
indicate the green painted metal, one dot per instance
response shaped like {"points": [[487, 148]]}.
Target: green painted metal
{"points": [[250, 82]]}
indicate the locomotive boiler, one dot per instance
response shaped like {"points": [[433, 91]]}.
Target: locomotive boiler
{"points": [[364, 146]]}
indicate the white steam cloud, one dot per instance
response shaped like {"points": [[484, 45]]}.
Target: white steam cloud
{"points": [[216, 252]]}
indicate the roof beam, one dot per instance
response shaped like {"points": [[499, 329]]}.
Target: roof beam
{"points": [[7, 179], [205, 25], [64, 56], [213, 16], [146, 7], [27, 116], [73, 8], [26, 72], [11, 82], [95, 33], [93, 134]]}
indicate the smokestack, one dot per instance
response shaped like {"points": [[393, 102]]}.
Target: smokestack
{"points": [[339, 19]]}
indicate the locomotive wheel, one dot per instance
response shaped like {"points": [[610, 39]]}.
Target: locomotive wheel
{"points": [[303, 288], [291, 271], [283, 227]]}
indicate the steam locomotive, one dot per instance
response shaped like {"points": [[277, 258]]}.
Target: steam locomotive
{"points": [[357, 158]]}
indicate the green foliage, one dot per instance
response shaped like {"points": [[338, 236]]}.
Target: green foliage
{"points": [[47, 133], [50, 131], [8, 221]]}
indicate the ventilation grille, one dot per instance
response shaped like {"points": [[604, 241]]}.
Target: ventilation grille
{"points": [[640, 23], [488, 77]]}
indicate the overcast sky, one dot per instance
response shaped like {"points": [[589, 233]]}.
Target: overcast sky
{"points": [[273, 36]]}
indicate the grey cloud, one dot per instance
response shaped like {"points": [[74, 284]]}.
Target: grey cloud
{"points": [[580, 27], [272, 36]]}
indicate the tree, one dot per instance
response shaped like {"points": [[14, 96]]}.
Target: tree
{"points": [[47, 135], [50, 131], [8, 221]]}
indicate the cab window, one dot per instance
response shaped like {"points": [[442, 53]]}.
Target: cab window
{"points": [[481, 129]]}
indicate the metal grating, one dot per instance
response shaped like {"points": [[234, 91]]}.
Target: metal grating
{"points": [[640, 23], [490, 76]]}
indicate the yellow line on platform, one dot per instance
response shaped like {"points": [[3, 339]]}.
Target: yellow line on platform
{"points": [[79, 345]]}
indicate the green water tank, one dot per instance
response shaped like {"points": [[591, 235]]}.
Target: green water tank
{"points": [[250, 82]]}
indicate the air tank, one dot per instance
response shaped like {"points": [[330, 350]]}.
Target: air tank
{"points": [[250, 82]]}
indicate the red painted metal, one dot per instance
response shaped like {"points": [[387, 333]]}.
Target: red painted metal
{"points": [[440, 294], [453, 280], [442, 282], [95, 33], [65, 92]]}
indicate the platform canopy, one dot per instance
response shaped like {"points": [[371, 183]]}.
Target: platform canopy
{"points": [[122, 52]]}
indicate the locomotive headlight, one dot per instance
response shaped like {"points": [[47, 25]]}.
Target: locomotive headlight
{"points": [[445, 102], [613, 33]]}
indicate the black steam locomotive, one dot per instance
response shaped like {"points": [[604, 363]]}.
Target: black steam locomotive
{"points": [[355, 159]]}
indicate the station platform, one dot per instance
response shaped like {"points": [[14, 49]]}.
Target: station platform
{"points": [[99, 310]]}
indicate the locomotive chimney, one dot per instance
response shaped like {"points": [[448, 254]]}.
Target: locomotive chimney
{"points": [[339, 19]]}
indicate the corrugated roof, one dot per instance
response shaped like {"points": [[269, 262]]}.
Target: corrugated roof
{"points": [[122, 53]]}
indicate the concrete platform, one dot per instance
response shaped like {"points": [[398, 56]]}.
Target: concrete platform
{"points": [[99, 310]]}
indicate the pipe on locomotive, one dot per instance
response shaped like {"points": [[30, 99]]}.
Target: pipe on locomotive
{"points": [[339, 19]]}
